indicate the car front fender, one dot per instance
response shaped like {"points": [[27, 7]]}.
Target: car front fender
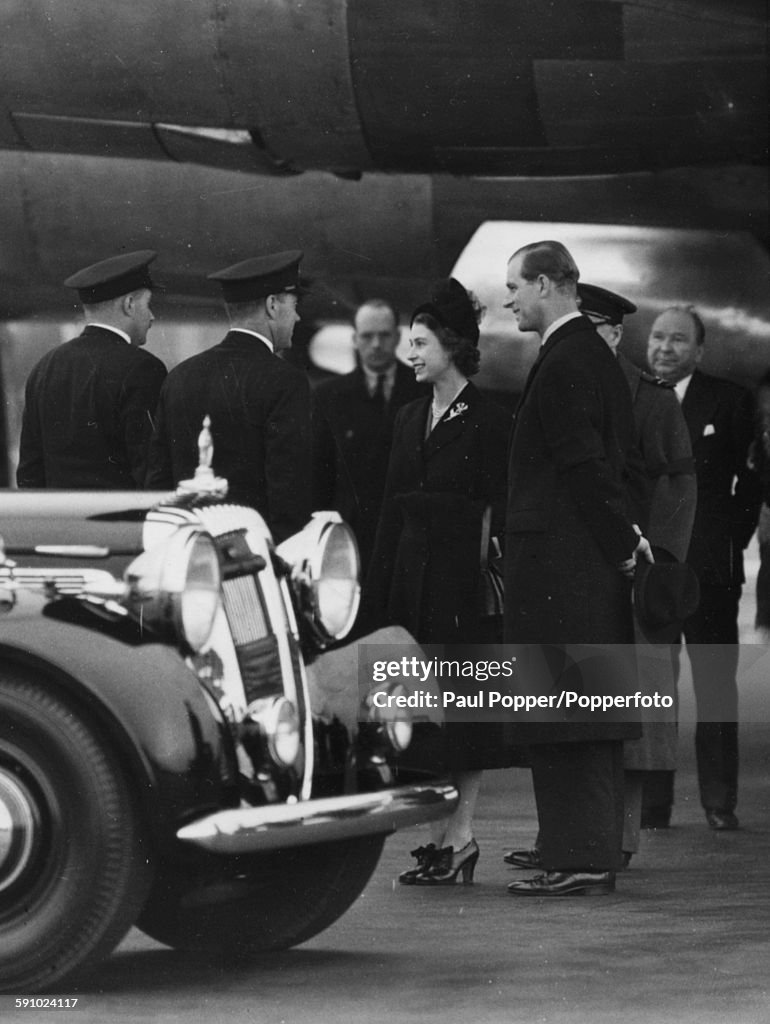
{"points": [[166, 727]]}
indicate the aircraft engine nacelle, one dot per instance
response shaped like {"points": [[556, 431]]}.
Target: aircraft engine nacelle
{"points": [[495, 87]]}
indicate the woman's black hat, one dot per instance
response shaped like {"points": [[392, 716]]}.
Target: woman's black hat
{"points": [[451, 305]]}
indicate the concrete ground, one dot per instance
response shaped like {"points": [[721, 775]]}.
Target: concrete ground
{"points": [[684, 940]]}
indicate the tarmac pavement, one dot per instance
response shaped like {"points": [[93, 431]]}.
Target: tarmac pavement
{"points": [[684, 940]]}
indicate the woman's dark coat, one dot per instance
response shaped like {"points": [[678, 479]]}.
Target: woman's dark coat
{"points": [[426, 566], [425, 569]]}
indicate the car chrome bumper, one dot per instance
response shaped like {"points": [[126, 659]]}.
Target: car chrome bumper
{"points": [[258, 829]]}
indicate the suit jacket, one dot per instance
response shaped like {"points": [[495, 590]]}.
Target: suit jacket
{"points": [[719, 417], [88, 414], [260, 423], [425, 569], [567, 531], [351, 448]]}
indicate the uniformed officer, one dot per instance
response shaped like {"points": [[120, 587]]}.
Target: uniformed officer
{"points": [[662, 433], [259, 405], [664, 444], [89, 404]]}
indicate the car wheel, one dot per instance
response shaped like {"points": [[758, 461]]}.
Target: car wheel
{"points": [[269, 902], [73, 864]]}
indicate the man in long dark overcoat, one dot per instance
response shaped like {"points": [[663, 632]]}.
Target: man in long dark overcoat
{"points": [[664, 445], [571, 547]]}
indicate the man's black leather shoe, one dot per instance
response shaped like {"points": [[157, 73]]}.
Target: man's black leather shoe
{"points": [[722, 821], [529, 859], [566, 883]]}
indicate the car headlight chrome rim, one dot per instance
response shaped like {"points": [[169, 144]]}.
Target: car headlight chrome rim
{"points": [[279, 728], [394, 721], [325, 573], [175, 587]]}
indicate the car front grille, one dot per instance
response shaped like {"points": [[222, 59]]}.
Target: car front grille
{"points": [[254, 633], [260, 624], [256, 648], [245, 614]]}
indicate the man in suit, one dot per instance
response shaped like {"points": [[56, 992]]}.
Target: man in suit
{"points": [[258, 404], [668, 495], [89, 403], [571, 550], [720, 420], [353, 424]]}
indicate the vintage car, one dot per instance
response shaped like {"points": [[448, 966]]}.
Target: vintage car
{"points": [[185, 743]]}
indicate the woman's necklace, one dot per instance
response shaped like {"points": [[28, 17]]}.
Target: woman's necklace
{"points": [[437, 411]]}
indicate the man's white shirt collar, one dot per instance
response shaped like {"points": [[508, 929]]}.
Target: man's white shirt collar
{"points": [[371, 379], [681, 387], [557, 324], [255, 334], [109, 327]]}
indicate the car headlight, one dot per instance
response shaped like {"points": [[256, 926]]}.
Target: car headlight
{"points": [[278, 723], [175, 587], [392, 716], [325, 571]]}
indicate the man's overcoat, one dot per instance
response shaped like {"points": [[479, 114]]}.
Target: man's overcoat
{"points": [[568, 529]]}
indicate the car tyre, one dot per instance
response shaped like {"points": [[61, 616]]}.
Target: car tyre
{"points": [[268, 902], [74, 869]]}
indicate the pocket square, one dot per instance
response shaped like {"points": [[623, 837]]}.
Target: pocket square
{"points": [[708, 430]]}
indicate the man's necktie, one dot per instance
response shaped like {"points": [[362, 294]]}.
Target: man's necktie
{"points": [[378, 397]]}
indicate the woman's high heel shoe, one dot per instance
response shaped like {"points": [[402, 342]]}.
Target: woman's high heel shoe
{"points": [[424, 856], [447, 865]]}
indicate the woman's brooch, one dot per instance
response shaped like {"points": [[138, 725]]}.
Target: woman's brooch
{"points": [[456, 410]]}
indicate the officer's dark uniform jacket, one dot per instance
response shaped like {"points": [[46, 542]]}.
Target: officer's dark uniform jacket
{"points": [[259, 407], [88, 415]]}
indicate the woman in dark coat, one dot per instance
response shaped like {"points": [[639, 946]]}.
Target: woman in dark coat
{"points": [[447, 466]]}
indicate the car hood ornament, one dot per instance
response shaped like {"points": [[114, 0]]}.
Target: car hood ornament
{"points": [[204, 483]]}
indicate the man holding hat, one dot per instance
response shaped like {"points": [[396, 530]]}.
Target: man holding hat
{"points": [[664, 444], [259, 405], [89, 403], [571, 551], [668, 498]]}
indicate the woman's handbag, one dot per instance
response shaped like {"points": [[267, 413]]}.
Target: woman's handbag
{"points": [[491, 592]]}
